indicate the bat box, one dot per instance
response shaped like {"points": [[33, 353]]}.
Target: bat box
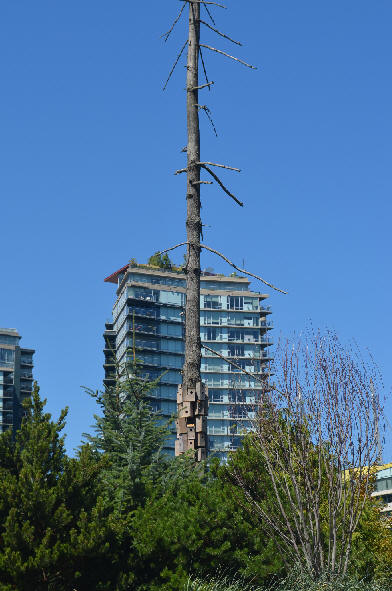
{"points": [[181, 426], [201, 424], [185, 409], [201, 440]]}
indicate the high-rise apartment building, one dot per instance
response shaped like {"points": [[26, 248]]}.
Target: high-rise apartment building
{"points": [[149, 315], [16, 378]]}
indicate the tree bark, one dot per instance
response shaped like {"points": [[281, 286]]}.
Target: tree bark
{"points": [[191, 371]]}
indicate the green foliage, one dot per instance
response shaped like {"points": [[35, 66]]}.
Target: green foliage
{"points": [[131, 437], [192, 523], [160, 260], [220, 584], [54, 530]]}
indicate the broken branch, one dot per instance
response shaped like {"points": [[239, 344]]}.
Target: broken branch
{"points": [[228, 55], [167, 35], [181, 171], [173, 248], [221, 34], [175, 63], [230, 263], [202, 183], [219, 165], [204, 67], [208, 113], [242, 270], [226, 190], [209, 14]]}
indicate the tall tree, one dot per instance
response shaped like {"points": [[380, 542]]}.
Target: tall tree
{"points": [[192, 399]]}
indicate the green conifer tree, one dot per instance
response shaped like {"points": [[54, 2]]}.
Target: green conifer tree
{"points": [[56, 534], [131, 437]]}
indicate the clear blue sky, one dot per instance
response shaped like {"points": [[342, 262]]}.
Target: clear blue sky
{"points": [[89, 143]]}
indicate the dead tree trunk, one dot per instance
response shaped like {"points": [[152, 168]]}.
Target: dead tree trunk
{"points": [[193, 220], [192, 398]]}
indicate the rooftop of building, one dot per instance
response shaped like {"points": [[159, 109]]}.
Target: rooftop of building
{"points": [[12, 332], [207, 274]]}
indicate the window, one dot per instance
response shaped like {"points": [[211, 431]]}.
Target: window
{"points": [[7, 357], [236, 334], [236, 350], [211, 334], [235, 303], [211, 301]]}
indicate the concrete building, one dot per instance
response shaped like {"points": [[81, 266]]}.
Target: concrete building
{"points": [[149, 311], [16, 378]]}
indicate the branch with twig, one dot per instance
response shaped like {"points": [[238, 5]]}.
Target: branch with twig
{"points": [[167, 35], [220, 33], [230, 263], [236, 59], [175, 64], [204, 2]]}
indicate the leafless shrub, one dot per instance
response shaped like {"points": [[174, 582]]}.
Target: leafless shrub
{"points": [[317, 438]]}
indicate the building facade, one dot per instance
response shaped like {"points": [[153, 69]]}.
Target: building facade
{"points": [[149, 315], [383, 488], [16, 378]]}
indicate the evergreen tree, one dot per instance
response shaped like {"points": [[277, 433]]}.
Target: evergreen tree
{"points": [[55, 532], [131, 437]]}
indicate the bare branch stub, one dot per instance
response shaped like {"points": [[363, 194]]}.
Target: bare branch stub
{"points": [[225, 189], [201, 87], [220, 166], [167, 35], [221, 34], [202, 183], [236, 59], [175, 63]]}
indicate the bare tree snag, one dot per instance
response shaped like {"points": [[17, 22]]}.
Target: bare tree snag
{"points": [[192, 394]]}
